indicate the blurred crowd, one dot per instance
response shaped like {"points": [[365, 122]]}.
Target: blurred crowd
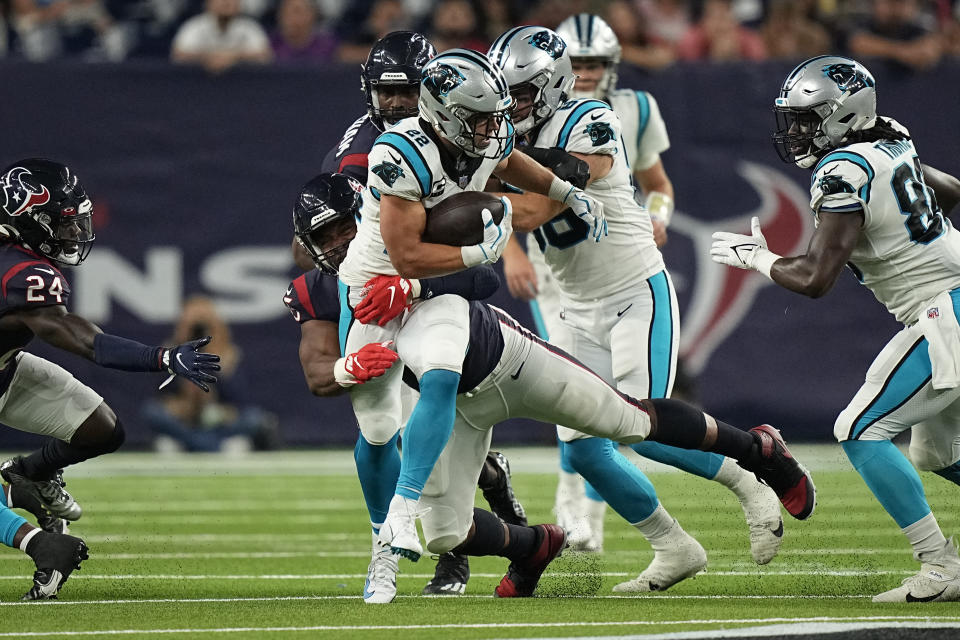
{"points": [[219, 34]]}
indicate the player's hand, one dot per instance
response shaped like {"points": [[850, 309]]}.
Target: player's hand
{"points": [[188, 361], [386, 298], [588, 209], [659, 232], [521, 276], [494, 240], [371, 361], [738, 250]]}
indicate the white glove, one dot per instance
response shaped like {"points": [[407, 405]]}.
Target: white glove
{"points": [[587, 208], [494, 240], [744, 252]]}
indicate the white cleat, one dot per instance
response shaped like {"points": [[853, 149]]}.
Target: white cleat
{"points": [[381, 584], [399, 530], [677, 556], [762, 510], [938, 580]]}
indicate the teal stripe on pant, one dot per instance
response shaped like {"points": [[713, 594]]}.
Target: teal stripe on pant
{"points": [[346, 315], [913, 372]]}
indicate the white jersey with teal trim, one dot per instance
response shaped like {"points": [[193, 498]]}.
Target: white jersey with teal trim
{"points": [[644, 132], [584, 269], [908, 252], [405, 162]]}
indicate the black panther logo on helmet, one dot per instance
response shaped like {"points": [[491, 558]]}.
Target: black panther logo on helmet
{"points": [[549, 42], [600, 133], [441, 80], [388, 172], [848, 77]]}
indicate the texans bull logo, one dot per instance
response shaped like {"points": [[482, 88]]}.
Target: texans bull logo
{"points": [[848, 77], [549, 42], [388, 172], [441, 80], [19, 195], [600, 133], [719, 297]]}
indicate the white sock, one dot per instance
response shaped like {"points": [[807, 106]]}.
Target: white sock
{"points": [[734, 477], [657, 525], [27, 538], [925, 537], [9, 496], [376, 537]]}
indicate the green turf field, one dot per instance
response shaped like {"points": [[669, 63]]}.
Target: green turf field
{"points": [[277, 546]]}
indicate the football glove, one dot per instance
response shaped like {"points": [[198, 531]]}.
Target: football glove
{"points": [[744, 252], [587, 208], [188, 361], [370, 361], [386, 298], [494, 240], [564, 166]]}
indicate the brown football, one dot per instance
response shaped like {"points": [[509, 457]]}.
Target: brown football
{"points": [[458, 220]]}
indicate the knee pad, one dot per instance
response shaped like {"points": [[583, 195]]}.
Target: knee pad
{"points": [[379, 430]]}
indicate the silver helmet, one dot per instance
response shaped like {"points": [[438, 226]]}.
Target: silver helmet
{"points": [[590, 39], [821, 102], [467, 99], [534, 59]]}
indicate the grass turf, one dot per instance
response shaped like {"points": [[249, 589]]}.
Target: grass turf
{"points": [[272, 555]]}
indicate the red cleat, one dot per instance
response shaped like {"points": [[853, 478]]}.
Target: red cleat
{"points": [[780, 470], [522, 577]]}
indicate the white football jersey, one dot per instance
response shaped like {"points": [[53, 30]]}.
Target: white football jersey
{"points": [[908, 252], [405, 162], [584, 269], [644, 132]]}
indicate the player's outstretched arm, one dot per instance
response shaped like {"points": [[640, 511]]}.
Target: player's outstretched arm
{"points": [[812, 274], [326, 373], [946, 186], [76, 334]]}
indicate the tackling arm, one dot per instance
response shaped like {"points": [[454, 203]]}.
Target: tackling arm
{"points": [[319, 352]]}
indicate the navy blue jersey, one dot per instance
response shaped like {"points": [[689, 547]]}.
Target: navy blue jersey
{"points": [[313, 296], [28, 280], [350, 154]]}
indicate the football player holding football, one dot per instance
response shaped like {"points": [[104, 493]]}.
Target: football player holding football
{"points": [[506, 373], [462, 136], [45, 224], [876, 213], [621, 320]]}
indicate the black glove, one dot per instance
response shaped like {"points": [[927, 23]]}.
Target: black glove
{"points": [[564, 166], [186, 360]]}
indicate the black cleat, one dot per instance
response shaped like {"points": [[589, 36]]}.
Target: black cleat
{"points": [[500, 496], [56, 557], [775, 465], [27, 500], [451, 576], [49, 491], [522, 577]]}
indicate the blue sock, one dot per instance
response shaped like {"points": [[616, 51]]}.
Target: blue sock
{"points": [[377, 468], [700, 463], [617, 481], [951, 473], [428, 430], [10, 522], [891, 478]]}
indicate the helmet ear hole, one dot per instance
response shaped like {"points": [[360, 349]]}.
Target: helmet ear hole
{"points": [[847, 118]]}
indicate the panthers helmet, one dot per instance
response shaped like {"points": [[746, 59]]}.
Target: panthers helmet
{"points": [[46, 208], [821, 102], [395, 60], [460, 90], [534, 59], [592, 40], [325, 218]]}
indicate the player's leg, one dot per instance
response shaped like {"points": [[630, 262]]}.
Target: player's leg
{"points": [[20, 497], [935, 444], [55, 555], [432, 343], [44, 398], [896, 395], [644, 344]]}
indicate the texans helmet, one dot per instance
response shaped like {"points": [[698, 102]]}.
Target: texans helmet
{"points": [[394, 61], [821, 102], [45, 208], [325, 218]]}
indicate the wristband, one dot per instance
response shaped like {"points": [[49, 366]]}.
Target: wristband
{"points": [[343, 377], [764, 261], [559, 190], [660, 206], [415, 288]]}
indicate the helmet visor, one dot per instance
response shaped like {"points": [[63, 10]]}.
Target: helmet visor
{"points": [[486, 134], [74, 236], [327, 243], [796, 130], [392, 102]]}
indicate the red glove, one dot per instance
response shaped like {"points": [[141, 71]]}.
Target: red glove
{"points": [[370, 361], [386, 298]]}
